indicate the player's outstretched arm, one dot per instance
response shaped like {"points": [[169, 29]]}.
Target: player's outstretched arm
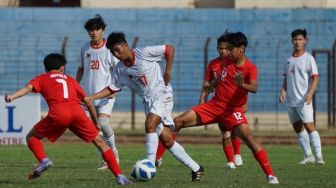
{"points": [[28, 88], [169, 63], [101, 94], [92, 111]]}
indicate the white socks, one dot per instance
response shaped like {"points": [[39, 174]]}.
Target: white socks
{"points": [[111, 142], [152, 141], [179, 153], [303, 139], [316, 143]]}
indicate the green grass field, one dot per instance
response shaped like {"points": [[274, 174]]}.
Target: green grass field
{"points": [[75, 166]]}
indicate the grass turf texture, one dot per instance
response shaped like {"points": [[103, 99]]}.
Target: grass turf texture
{"points": [[75, 166]]}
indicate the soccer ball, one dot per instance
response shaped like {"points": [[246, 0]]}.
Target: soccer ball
{"points": [[143, 170]]}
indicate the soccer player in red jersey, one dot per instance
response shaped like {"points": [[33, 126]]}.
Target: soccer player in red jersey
{"points": [[238, 77], [63, 96], [231, 143]]}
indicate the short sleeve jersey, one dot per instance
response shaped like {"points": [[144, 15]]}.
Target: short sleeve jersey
{"points": [[227, 91], [97, 64], [299, 71], [57, 88], [144, 76]]}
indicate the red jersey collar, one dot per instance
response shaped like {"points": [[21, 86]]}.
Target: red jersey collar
{"points": [[133, 60], [97, 47]]}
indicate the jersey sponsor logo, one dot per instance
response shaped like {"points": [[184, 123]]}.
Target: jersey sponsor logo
{"points": [[223, 74], [88, 55]]}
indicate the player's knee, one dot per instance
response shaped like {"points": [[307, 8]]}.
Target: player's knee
{"points": [[99, 142], [168, 143], [105, 127], [226, 135]]}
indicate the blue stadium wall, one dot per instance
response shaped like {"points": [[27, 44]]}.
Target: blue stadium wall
{"points": [[28, 34]]}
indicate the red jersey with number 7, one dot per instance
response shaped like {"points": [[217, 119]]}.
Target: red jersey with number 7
{"points": [[57, 88]]}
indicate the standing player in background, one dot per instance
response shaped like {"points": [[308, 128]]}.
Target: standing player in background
{"points": [[94, 74], [298, 88], [139, 70], [238, 77], [230, 142], [63, 95]]}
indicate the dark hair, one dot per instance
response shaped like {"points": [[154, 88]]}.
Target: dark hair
{"points": [[116, 37], [54, 61], [297, 32], [222, 38], [236, 39], [95, 23]]}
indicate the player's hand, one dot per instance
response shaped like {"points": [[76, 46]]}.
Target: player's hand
{"points": [[90, 98], [239, 78], [309, 99], [166, 78], [8, 98], [282, 97]]}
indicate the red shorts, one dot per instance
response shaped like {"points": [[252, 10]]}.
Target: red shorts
{"points": [[213, 112], [61, 118]]}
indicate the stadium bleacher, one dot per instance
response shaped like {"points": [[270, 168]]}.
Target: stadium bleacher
{"points": [[28, 34]]}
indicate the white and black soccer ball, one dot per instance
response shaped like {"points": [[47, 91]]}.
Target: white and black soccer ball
{"points": [[144, 170]]}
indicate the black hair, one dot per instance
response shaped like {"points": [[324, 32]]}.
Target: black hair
{"points": [[297, 32], [54, 62], [236, 39], [222, 38], [95, 23], [116, 37]]}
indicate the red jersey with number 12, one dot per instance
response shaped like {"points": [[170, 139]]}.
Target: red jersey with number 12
{"points": [[227, 91], [57, 88]]}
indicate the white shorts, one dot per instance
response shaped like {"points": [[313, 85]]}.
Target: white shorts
{"points": [[305, 114], [161, 104], [103, 107]]}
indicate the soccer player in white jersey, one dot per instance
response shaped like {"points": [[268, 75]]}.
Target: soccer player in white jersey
{"points": [[94, 74], [140, 71], [299, 85]]}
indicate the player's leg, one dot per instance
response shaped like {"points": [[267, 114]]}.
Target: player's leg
{"points": [[45, 128], [236, 148], [110, 159], [302, 135], [161, 150], [36, 146], [307, 116], [108, 135], [187, 119], [84, 128], [152, 139], [180, 154], [227, 146], [244, 132]]}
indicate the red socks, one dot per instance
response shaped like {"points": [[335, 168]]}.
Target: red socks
{"points": [[161, 149], [111, 161], [228, 150], [36, 146], [262, 158], [236, 145]]}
